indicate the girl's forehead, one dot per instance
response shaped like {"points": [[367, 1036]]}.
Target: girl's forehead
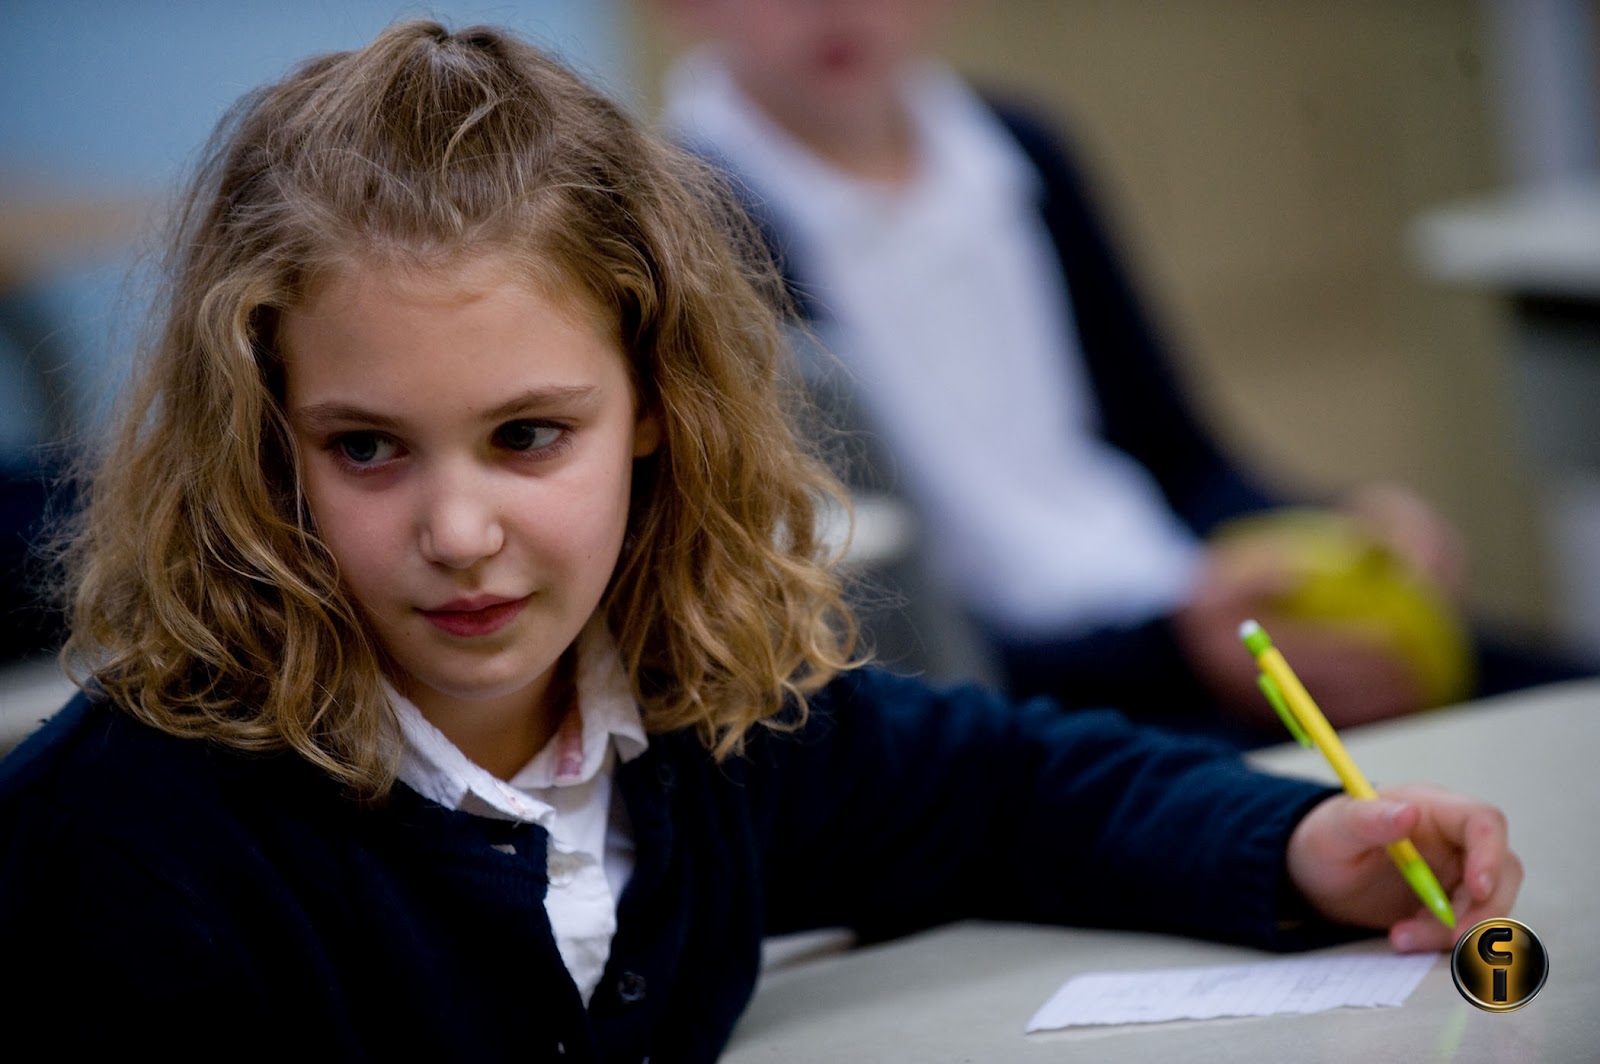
{"points": [[445, 280], [372, 317]]}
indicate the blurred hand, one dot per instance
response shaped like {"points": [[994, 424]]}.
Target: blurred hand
{"points": [[1354, 679], [1401, 520], [1337, 860]]}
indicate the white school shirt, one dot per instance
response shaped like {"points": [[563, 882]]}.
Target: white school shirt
{"points": [[567, 789], [944, 302]]}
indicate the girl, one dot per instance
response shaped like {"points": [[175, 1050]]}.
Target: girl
{"points": [[464, 673]]}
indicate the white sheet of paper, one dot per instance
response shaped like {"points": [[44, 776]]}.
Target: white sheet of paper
{"points": [[1290, 984]]}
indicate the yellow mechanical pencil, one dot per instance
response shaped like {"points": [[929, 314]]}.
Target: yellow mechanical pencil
{"points": [[1307, 724]]}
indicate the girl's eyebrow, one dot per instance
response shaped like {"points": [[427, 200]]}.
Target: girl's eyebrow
{"points": [[335, 413], [536, 399]]}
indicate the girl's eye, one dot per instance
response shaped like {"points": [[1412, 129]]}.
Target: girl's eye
{"points": [[364, 448], [527, 435]]}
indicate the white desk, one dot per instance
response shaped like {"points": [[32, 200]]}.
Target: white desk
{"points": [[963, 993]]}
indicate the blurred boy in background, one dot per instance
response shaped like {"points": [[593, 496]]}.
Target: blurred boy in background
{"points": [[945, 248]]}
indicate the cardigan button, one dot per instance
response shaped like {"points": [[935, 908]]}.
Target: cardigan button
{"points": [[630, 988], [666, 776]]}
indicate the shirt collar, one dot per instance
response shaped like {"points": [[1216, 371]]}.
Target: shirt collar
{"points": [[608, 715], [968, 160], [606, 718]]}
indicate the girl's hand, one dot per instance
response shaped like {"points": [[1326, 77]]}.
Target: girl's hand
{"points": [[1337, 860]]}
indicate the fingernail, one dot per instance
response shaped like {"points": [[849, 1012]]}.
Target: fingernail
{"points": [[1485, 884], [1404, 941], [1394, 811]]}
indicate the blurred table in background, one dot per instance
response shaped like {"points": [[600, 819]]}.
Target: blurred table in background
{"points": [[1540, 248], [42, 232], [30, 691]]}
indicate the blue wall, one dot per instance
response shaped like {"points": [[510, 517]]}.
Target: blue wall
{"points": [[112, 99], [120, 93]]}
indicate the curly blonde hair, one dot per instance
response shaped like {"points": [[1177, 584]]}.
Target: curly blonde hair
{"points": [[202, 599]]}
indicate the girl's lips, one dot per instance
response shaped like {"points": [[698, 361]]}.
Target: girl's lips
{"points": [[485, 620]]}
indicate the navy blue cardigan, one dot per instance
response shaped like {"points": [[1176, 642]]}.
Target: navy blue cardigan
{"points": [[175, 894]]}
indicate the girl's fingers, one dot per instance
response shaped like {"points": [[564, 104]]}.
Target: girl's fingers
{"points": [[1362, 826], [1491, 874], [1477, 831]]}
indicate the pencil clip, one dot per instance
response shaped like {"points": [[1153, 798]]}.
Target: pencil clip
{"points": [[1285, 714]]}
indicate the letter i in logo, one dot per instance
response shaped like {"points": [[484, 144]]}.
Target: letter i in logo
{"points": [[1498, 960]]}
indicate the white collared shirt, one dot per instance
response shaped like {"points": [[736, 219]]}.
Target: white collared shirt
{"points": [[567, 789], [945, 298]]}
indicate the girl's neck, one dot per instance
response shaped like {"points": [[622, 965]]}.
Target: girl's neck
{"points": [[502, 735]]}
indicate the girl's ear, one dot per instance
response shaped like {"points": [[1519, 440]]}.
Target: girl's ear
{"points": [[646, 433]]}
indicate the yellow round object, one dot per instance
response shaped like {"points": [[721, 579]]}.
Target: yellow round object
{"points": [[1349, 580]]}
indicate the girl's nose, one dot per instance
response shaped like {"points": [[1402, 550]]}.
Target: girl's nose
{"points": [[460, 524]]}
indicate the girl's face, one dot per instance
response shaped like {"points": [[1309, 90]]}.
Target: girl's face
{"points": [[466, 445]]}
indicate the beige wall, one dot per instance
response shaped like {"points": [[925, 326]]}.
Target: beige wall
{"points": [[1262, 158]]}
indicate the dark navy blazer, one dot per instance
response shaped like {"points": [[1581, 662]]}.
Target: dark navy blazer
{"points": [[174, 894]]}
